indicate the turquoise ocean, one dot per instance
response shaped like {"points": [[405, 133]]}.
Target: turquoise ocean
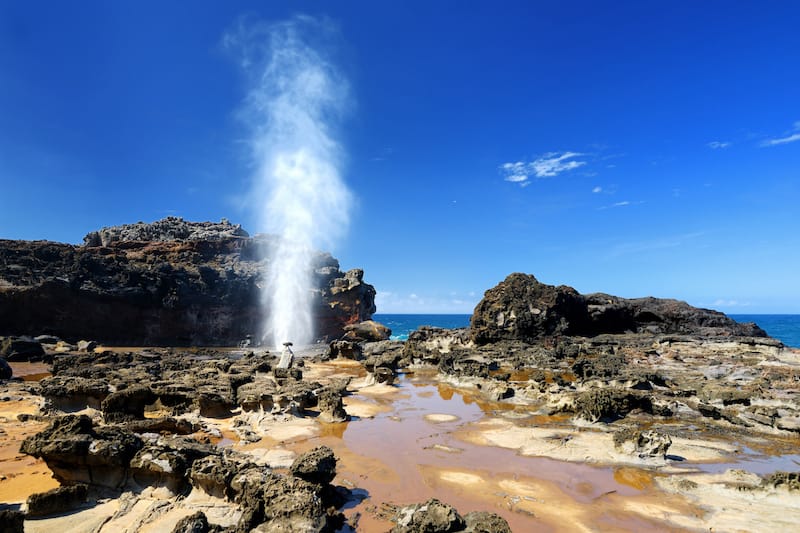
{"points": [[785, 328]]}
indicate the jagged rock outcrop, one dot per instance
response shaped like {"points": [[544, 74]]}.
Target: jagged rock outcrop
{"points": [[522, 308], [436, 516], [171, 282], [58, 500], [77, 452], [87, 457]]}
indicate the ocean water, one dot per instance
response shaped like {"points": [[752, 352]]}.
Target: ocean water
{"points": [[402, 325], [785, 328]]}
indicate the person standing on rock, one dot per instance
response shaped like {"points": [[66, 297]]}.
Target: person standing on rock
{"points": [[287, 356]]}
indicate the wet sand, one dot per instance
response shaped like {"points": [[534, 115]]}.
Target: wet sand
{"points": [[20, 474]]}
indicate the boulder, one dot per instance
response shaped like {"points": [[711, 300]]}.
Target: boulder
{"points": [[384, 375], [484, 522], [194, 523], [58, 500], [315, 466], [213, 475], [643, 443], [21, 349], [87, 346], [158, 464], [344, 349], [127, 404], [429, 517], [369, 331], [331, 406], [77, 452]]}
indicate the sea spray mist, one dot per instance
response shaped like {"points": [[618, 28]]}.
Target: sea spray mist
{"points": [[295, 101]]}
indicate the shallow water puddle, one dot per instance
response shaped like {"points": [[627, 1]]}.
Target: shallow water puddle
{"points": [[406, 451]]}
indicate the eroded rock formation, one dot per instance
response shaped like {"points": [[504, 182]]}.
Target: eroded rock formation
{"points": [[522, 308], [171, 282]]}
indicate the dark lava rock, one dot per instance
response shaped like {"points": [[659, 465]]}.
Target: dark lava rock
{"points": [[161, 465], [165, 424], [127, 404], [172, 282], [58, 500], [331, 406], [522, 308], [12, 521], [483, 522], [315, 466], [788, 480], [432, 516], [5, 370], [77, 452], [213, 475], [609, 404], [369, 331], [385, 375], [68, 393], [344, 349], [282, 504], [195, 523], [426, 343], [643, 443], [20, 348]]}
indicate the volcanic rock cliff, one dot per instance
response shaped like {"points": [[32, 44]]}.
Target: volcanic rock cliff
{"points": [[172, 282], [522, 308]]}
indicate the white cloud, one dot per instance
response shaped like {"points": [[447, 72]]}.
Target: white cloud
{"points": [[783, 140], [547, 166], [597, 189], [423, 302], [716, 145], [553, 164], [624, 203], [729, 303], [788, 138]]}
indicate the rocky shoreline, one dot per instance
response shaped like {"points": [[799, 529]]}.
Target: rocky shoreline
{"points": [[553, 411]]}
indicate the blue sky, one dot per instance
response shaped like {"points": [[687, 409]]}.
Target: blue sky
{"points": [[634, 148]]}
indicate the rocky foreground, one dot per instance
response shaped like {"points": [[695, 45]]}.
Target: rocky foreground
{"points": [[169, 283], [653, 415]]}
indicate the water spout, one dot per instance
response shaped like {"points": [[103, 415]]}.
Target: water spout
{"points": [[296, 99]]}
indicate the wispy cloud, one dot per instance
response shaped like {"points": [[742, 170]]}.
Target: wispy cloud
{"points": [[547, 166], [717, 145], [623, 203], [789, 137], [419, 302], [723, 303], [661, 243], [597, 189]]}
